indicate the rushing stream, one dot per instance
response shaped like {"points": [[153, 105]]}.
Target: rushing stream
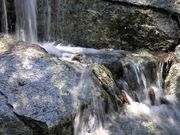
{"points": [[150, 110], [140, 117]]}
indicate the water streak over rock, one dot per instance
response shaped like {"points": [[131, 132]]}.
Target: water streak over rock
{"points": [[26, 23]]}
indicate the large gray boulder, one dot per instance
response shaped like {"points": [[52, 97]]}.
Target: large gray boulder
{"points": [[9, 122], [107, 24], [42, 91]]}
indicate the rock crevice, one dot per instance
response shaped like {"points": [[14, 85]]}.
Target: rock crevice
{"points": [[171, 6]]}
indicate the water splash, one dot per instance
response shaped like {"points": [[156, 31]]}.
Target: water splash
{"points": [[67, 53], [90, 119], [137, 118], [140, 117], [26, 24]]}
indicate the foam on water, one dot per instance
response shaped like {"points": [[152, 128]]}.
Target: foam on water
{"points": [[77, 50], [156, 119], [131, 119], [54, 50], [67, 53]]}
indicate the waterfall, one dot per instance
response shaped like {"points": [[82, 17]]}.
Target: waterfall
{"points": [[26, 24], [90, 118], [150, 111], [142, 116], [4, 22], [48, 22]]}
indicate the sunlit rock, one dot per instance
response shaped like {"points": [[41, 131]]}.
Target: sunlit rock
{"points": [[43, 91], [5, 43], [173, 79], [177, 53], [107, 82]]}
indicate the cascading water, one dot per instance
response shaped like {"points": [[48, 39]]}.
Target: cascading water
{"points": [[142, 116], [90, 118], [4, 22], [150, 111], [26, 24], [48, 24]]}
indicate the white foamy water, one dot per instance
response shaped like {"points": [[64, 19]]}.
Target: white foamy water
{"points": [[85, 50], [134, 119], [61, 53], [67, 53], [138, 117]]}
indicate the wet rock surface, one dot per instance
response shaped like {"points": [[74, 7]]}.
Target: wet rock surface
{"points": [[177, 53], [105, 78]]}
